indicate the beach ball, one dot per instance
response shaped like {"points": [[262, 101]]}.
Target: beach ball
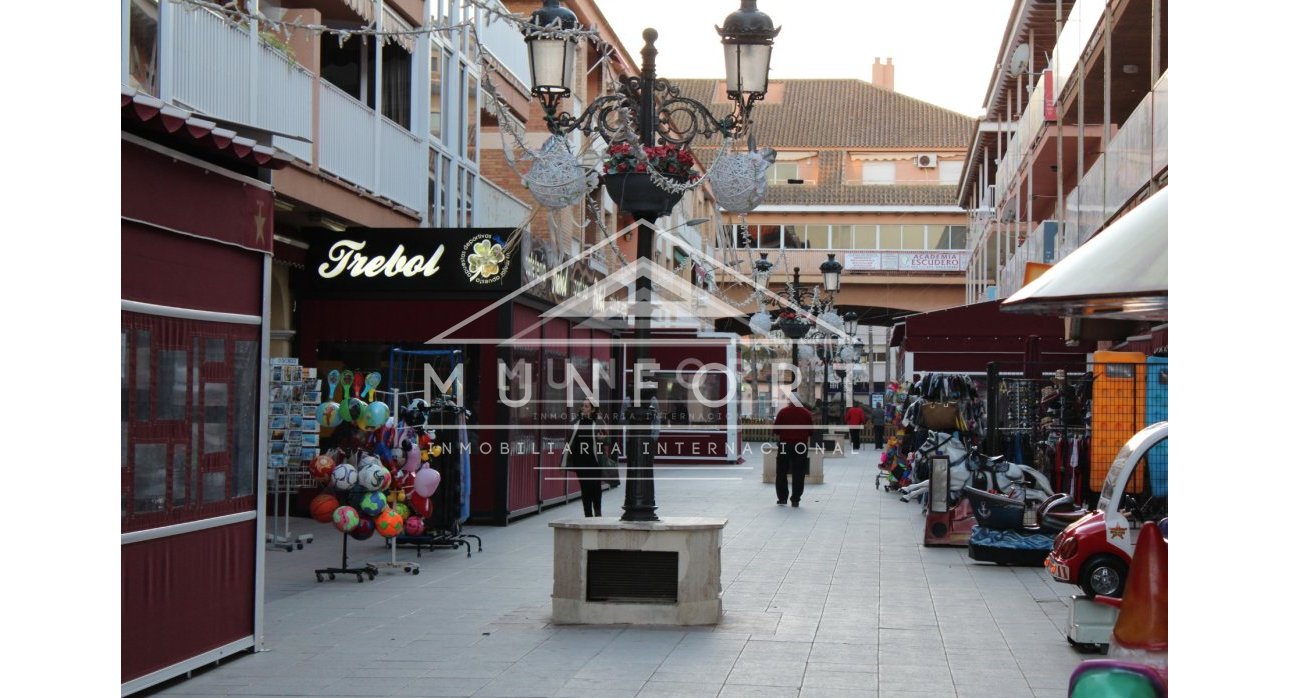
{"points": [[403, 510], [345, 518], [329, 414], [322, 507], [421, 505], [364, 529], [374, 477], [414, 525], [372, 503], [353, 409], [389, 524], [374, 417], [320, 468], [344, 476]]}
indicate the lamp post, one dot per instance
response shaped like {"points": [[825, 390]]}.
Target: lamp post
{"points": [[655, 111], [851, 323]]}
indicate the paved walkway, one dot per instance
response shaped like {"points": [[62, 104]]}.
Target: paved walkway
{"points": [[836, 598]]}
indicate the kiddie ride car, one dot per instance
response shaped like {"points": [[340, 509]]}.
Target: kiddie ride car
{"points": [[1094, 552]]}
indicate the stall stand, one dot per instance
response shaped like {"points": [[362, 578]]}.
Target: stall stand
{"points": [[354, 320], [196, 247]]}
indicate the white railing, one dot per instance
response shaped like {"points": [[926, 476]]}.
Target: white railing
{"points": [[345, 143], [496, 208], [214, 66], [287, 92], [504, 42], [404, 166]]}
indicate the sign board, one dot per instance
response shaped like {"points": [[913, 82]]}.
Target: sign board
{"points": [[411, 260], [923, 260]]}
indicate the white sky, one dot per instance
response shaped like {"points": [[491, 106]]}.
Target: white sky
{"points": [[944, 50]]}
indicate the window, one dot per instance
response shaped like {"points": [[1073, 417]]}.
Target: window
{"points": [[950, 170], [437, 64], [947, 237], [843, 237], [913, 237], [781, 172], [866, 237], [143, 45], [190, 409], [471, 119], [765, 237], [889, 237], [817, 237], [396, 84], [879, 173]]}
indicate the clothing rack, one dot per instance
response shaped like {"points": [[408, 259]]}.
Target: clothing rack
{"points": [[443, 527]]}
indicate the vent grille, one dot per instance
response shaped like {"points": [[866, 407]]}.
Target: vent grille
{"points": [[632, 576]]}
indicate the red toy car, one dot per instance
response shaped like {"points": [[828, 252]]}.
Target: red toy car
{"points": [[1094, 552]]}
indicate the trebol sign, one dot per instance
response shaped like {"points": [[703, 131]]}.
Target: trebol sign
{"points": [[395, 260]]}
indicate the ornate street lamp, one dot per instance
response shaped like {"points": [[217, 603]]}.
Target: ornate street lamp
{"points": [[642, 112], [831, 270]]}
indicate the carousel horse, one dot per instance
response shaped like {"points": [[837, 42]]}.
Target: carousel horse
{"points": [[969, 466]]}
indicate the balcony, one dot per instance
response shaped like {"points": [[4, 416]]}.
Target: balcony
{"points": [[1137, 154], [228, 73], [504, 42], [494, 207], [1039, 111]]}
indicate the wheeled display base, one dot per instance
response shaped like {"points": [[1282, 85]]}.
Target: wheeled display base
{"points": [[444, 540], [331, 572]]}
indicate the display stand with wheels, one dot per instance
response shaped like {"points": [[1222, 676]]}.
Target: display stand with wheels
{"points": [[284, 483], [443, 524], [370, 570]]}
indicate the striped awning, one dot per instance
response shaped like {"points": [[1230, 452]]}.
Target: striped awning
{"points": [[145, 108]]}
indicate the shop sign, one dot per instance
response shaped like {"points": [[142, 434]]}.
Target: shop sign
{"points": [[393, 260], [905, 261]]}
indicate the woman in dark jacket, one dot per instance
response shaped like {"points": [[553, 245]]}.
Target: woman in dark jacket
{"points": [[585, 447]]}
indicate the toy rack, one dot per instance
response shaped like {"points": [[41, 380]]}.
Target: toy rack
{"points": [[370, 570]]}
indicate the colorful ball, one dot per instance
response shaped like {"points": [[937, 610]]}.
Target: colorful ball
{"points": [[389, 524], [322, 507], [374, 417], [353, 409], [320, 468], [414, 525], [374, 477], [364, 529], [329, 414], [373, 503], [436, 450], [401, 509], [345, 518], [344, 476]]}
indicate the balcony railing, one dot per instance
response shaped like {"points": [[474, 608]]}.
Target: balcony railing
{"points": [[1083, 20], [505, 42], [1138, 152], [497, 208], [227, 73], [1028, 128]]}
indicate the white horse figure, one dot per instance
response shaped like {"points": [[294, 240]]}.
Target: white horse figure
{"points": [[967, 464]]}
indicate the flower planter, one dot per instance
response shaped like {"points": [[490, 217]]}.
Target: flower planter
{"points": [[793, 329], [635, 193]]}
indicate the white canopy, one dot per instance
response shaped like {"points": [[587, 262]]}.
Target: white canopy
{"points": [[1122, 273]]}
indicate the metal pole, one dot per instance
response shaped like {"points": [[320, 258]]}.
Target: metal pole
{"points": [[638, 496]]}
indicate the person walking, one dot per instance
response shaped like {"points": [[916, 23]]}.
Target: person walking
{"points": [[879, 422], [855, 419], [585, 444], [793, 428]]}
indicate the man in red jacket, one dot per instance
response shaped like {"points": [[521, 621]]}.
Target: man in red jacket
{"points": [[854, 419], [793, 428]]}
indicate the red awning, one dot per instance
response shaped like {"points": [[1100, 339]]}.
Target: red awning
{"points": [[969, 337], [146, 109]]}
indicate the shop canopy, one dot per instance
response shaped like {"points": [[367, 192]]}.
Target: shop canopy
{"points": [[968, 338], [1122, 273]]}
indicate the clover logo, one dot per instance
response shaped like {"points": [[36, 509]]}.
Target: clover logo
{"points": [[484, 259]]}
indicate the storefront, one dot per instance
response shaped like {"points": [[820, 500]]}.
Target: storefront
{"points": [[196, 243]]}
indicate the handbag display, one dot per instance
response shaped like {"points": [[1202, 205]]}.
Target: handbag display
{"points": [[940, 416]]}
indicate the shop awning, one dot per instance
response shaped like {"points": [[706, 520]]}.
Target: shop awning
{"points": [[181, 123], [1122, 273], [969, 337]]}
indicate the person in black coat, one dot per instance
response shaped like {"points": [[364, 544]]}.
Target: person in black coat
{"points": [[586, 444]]}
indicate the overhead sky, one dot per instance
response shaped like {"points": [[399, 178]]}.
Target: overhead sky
{"points": [[944, 50]]}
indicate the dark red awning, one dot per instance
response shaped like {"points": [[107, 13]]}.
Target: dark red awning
{"points": [[967, 338], [146, 109]]}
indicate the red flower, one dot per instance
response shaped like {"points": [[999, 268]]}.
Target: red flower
{"points": [[622, 167]]}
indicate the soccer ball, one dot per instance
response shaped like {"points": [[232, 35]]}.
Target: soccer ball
{"points": [[403, 510], [372, 503], [345, 519], [389, 524], [344, 476], [329, 414], [363, 530], [320, 468], [414, 525], [374, 477]]}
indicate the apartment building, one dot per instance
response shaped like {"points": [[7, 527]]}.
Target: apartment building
{"points": [[1074, 137]]}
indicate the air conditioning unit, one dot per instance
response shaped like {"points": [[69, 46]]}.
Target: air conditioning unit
{"points": [[925, 160]]}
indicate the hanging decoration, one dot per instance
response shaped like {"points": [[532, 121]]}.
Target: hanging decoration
{"points": [[739, 181], [557, 179]]}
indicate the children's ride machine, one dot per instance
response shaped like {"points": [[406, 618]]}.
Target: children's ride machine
{"points": [[1095, 551]]}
